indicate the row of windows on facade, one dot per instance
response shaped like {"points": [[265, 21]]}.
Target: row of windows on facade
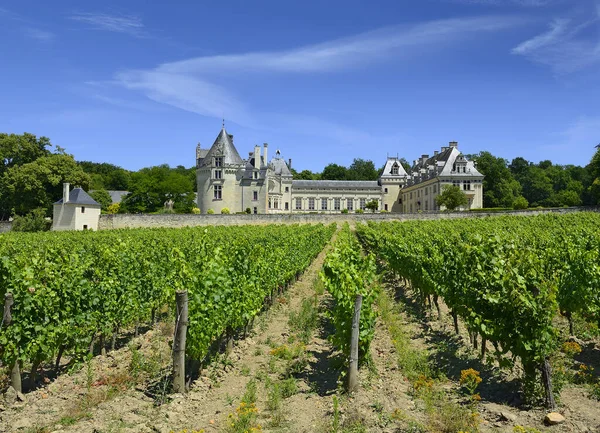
{"points": [[218, 174], [466, 186], [337, 203]]}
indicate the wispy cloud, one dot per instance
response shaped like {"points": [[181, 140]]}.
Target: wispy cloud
{"points": [[127, 24], [26, 26], [566, 47], [192, 84]]}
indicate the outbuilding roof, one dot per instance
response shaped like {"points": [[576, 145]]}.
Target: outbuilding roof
{"points": [[79, 196]]}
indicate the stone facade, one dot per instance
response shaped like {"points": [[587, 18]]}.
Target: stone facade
{"points": [[226, 181]]}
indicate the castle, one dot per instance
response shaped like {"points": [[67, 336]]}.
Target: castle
{"points": [[225, 180]]}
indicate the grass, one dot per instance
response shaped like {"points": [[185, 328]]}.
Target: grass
{"points": [[304, 321], [443, 414]]}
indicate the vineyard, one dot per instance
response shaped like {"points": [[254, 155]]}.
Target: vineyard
{"points": [[423, 326]]}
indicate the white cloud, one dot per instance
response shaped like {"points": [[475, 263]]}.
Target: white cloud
{"points": [[40, 35], [566, 47], [190, 84], [131, 25]]}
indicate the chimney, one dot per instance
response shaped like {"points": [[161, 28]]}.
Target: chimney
{"points": [[256, 156], [444, 148], [424, 158], [265, 145], [290, 163], [65, 192], [435, 152], [453, 144]]}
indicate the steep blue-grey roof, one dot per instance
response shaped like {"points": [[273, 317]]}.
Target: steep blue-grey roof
{"points": [[223, 146], [79, 196]]}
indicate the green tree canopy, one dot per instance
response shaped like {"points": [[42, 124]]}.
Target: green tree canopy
{"points": [[17, 149], [106, 176], [361, 169], [452, 197], [500, 188], [38, 184], [334, 172], [153, 186], [373, 206], [103, 197]]}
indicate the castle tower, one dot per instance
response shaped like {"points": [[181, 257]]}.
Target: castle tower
{"points": [[217, 176]]}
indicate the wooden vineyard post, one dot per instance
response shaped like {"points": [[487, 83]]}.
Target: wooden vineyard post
{"points": [[547, 379], [181, 324], [15, 372], [353, 369]]}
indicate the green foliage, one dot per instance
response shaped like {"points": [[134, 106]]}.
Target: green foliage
{"points": [[106, 176], [71, 286], [500, 188], [452, 197], [210, 211], [225, 211], [507, 280], [520, 203], [103, 197], [345, 211], [114, 208], [38, 184], [359, 211], [347, 273], [248, 210], [151, 187], [334, 172], [373, 205], [34, 221]]}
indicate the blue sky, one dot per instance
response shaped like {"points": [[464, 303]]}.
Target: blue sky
{"points": [[139, 83]]}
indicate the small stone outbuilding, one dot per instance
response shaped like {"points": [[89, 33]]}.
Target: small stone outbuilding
{"points": [[75, 211]]}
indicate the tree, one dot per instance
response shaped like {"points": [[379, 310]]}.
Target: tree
{"points": [[103, 197], [373, 205], [452, 197], [405, 164], [594, 171], [38, 184], [537, 186], [17, 149], [304, 175], [334, 172], [500, 188], [153, 186], [106, 176], [361, 169]]}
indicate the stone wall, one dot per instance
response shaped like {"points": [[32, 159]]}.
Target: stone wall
{"points": [[5, 226], [119, 221]]}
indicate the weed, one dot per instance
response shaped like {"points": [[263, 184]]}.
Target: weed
{"points": [[305, 320], [229, 400], [336, 414], [595, 391], [258, 351], [245, 370], [571, 348], [288, 387], [470, 380], [250, 394], [584, 374]]}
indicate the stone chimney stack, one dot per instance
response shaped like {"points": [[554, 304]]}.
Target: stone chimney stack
{"points": [[266, 146], [424, 158], [65, 192], [453, 144], [435, 152], [290, 163], [256, 156]]}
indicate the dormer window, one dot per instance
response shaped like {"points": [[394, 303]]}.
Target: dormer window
{"points": [[395, 169], [218, 161]]}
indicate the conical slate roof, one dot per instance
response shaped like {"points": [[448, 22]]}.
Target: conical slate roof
{"points": [[223, 146], [79, 196]]}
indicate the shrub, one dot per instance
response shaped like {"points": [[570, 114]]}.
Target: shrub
{"points": [[344, 210], [225, 211], [359, 211], [195, 210], [384, 211], [520, 203], [210, 211], [248, 210], [102, 197], [114, 208], [35, 221]]}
